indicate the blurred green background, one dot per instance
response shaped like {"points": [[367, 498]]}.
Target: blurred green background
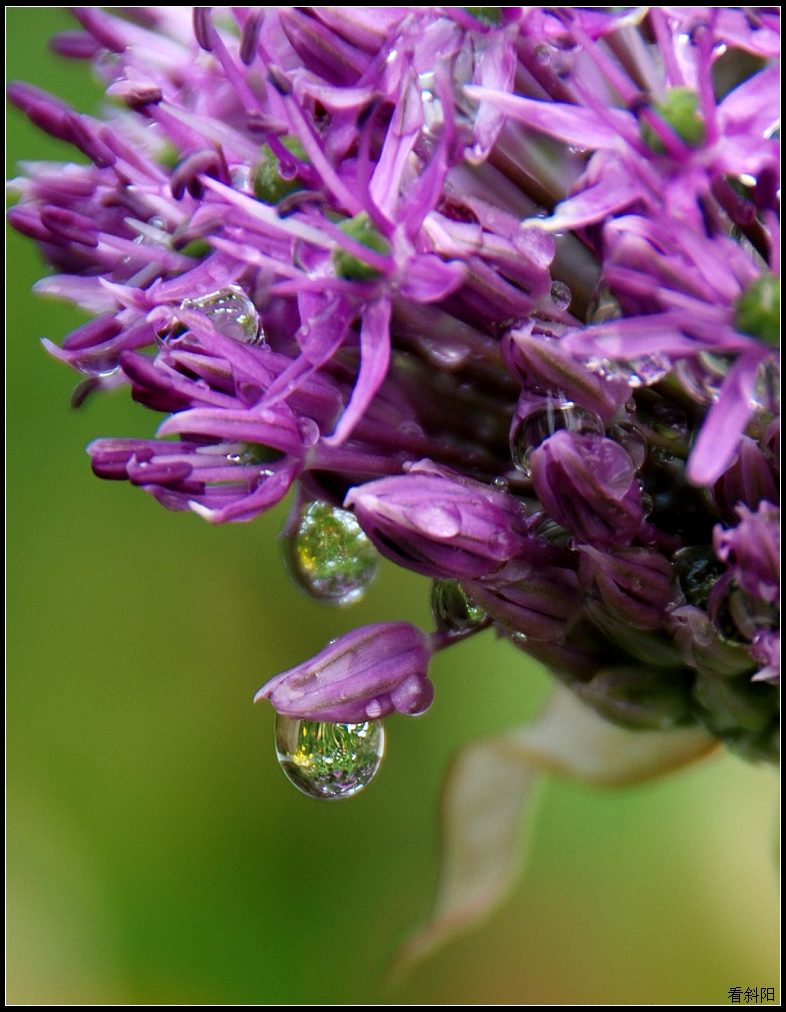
{"points": [[156, 854]]}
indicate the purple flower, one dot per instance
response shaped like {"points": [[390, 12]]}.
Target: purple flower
{"points": [[440, 525], [634, 585], [587, 484], [500, 282], [538, 603], [364, 675], [752, 551]]}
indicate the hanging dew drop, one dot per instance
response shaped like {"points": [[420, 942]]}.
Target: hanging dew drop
{"points": [[325, 760], [545, 418], [231, 312], [329, 555]]}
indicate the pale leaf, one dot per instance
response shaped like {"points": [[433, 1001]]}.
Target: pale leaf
{"points": [[489, 795]]}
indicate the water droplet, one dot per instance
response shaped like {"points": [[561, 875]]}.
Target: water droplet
{"points": [[636, 372], [433, 113], [552, 532], [632, 439], [603, 306], [409, 427], [698, 569], [545, 417], [152, 232], [560, 294], [329, 555], [500, 484], [453, 609], [445, 355], [325, 760], [231, 312], [765, 395], [309, 431], [241, 177], [437, 521]]}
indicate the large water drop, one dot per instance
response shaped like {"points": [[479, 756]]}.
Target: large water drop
{"points": [[330, 761], [231, 312], [329, 554]]}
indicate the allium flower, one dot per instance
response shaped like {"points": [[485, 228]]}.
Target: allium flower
{"points": [[497, 289]]}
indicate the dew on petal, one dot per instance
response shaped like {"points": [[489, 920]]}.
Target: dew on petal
{"points": [[231, 312], [546, 418]]}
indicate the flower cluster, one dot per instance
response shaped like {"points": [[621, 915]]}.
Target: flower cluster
{"points": [[495, 288]]}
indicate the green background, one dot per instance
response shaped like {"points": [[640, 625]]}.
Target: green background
{"points": [[156, 854]]}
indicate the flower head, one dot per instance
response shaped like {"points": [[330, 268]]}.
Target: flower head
{"points": [[502, 282]]}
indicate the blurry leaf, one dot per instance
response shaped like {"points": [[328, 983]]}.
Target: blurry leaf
{"points": [[489, 798]]}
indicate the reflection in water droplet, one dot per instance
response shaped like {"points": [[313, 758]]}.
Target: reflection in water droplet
{"points": [[231, 312], [560, 294], [327, 760], [329, 555], [453, 609], [545, 418]]}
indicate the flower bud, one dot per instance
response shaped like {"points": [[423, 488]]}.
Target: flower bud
{"points": [[752, 550], [702, 647], [749, 481], [364, 675], [639, 697], [766, 651], [541, 604], [634, 584], [577, 657], [587, 484], [438, 525], [654, 648], [538, 357]]}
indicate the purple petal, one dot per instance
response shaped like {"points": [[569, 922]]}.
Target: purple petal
{"points": [[374, 361], [572, 124], [370, 671], [719, 437]]}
